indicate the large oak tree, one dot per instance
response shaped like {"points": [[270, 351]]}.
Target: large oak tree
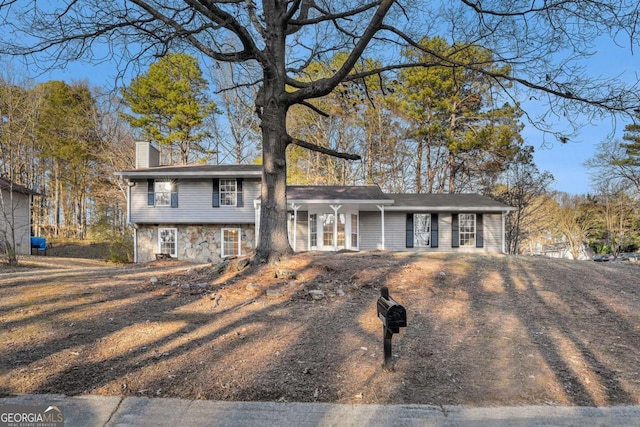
{"points": [[542, 41]]}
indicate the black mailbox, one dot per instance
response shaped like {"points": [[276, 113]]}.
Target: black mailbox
{"points": [[394, 317], [392, 314]]}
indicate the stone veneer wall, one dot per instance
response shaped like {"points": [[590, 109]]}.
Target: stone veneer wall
{"points": [[196, 243]]}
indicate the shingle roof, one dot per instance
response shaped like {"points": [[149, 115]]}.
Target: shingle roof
{"points": [[335, 193], [8, 185], [447, 202]]}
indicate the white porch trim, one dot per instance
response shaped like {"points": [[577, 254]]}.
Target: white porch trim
{"points": [[381, 208], [335, 208], [295, 208]]}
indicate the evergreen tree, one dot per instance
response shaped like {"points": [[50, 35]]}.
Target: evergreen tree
{"points": [[69, 144], [170, 104], [461, 137], [632, 146]]}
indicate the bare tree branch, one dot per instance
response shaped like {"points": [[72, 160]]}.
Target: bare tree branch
{"points": [[314, 108], [323, 150]]}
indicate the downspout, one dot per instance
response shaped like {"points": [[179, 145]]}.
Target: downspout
{"points": [[129, 185], [135, 228], [504, 235], [381, 208], [135, 245]]}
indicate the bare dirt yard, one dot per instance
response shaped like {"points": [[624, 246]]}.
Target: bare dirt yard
{"points": [[483, 330]]}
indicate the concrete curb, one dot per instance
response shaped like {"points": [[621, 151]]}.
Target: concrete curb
{"points": [[90, 410]]}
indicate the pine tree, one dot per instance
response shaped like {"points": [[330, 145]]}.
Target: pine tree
{"points": [[170, 104]]}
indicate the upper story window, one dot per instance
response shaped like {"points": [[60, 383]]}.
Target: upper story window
{"points": [[162, 193], [227, 192]]}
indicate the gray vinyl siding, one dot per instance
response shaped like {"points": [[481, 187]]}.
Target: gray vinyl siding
{"points": [[395, 233], [302, 232], [492, 233], [370, 231], [194, 205], [444, 232], [394, 227]]}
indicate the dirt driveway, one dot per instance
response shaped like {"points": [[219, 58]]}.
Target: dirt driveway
{"points": [[482, 330]]}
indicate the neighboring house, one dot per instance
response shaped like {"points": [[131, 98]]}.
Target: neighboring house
{"points": [[15, 216], [563, 251], [207, 212]]}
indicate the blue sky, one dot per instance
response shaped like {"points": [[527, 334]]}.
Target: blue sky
{"points": [[564, 161]]}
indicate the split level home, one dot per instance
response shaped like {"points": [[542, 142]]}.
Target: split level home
{"points": [[15, 216], [204, 213]]}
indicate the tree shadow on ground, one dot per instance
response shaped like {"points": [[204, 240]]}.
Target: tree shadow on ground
{"points": [[482, 330]]}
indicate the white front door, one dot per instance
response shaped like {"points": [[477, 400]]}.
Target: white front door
{"points": [[333, 232]]}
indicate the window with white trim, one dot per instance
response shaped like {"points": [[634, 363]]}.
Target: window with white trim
{"points": [[228, 192], [354, 231], [168, 241], [327, 229], [467, 229], [342, 222], [313, 230], [422, 230], [231, 242], [162, 191]]}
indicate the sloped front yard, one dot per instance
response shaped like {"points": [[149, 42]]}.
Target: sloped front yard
{"points": [[483, 330]]}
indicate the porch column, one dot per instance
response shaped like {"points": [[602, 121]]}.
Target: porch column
{"points": [[381, 208], [335, 225], [295, 224], [257, 207]]}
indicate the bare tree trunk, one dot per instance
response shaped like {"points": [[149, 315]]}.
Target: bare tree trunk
{"points": [[431, 172], [273, 237], [452, 174], [419, 154], [56, 200], [369, 155], [273, 240]]}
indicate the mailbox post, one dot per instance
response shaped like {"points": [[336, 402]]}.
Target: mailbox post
{"points": [[393, 317]]}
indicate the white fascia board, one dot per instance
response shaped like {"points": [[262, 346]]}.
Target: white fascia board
{"points": [[340, 201], [194, 174], [450, 208]]}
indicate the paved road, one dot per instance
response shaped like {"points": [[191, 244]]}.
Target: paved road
{"points": [[89, 411]]}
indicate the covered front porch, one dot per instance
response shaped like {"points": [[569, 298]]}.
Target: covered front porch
{"points": [[324, 218]]}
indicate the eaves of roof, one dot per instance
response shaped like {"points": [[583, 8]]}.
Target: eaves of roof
{"points": [[16, 188], [193, 171], [447, 203]]}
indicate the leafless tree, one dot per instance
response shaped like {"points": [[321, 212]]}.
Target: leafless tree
{"points": [[522, 186], [542, 41], [608, 165], [236, 104]]}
